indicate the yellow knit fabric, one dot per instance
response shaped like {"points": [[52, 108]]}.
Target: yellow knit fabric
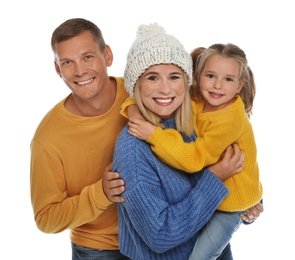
{"points": [[69, 155], [215, 131]]}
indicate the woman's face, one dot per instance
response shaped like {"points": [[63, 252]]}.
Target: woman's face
{"points": [[162, 89]]}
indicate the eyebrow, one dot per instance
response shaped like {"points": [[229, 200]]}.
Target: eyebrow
{"points": [[227, 75], [157, 73], [83, 54]]}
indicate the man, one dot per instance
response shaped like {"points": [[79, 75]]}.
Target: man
{"points": [[74, 143], [72, 148]]}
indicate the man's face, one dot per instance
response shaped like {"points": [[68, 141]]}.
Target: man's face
{"points": [[82, 65]]}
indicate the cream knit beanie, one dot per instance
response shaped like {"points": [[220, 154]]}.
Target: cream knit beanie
{"points": [[154, 46]]}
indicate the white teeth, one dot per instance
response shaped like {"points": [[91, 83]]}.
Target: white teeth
{"points": [[163, 100], [84, 82]]}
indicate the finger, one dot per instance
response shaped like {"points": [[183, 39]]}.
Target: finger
{"points": [[132, 132], [255, 211], [252, 214], [246, 218], [134, 121], [239, 169], [117, 184], [117, 199], [236, 152], [115, 194], [259, 207], [111, 176], [240, 163], [228, 153]]}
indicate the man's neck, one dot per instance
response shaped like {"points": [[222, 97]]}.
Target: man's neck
{"points": [[95, 106]]}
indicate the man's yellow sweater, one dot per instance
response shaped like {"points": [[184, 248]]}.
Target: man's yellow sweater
{"points": [[216, 131], [69, 156]]}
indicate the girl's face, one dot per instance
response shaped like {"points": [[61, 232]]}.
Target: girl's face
{"points": [[219, 82], [162, 89]]}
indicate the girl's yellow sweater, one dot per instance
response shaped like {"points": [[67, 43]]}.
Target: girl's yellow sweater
{"points": [[216, 131]]}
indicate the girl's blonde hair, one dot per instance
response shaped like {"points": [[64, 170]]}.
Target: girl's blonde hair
{"points": [[200, 57], [183, 114]]}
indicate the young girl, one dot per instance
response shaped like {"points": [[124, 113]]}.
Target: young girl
{"points": [[223, 91]]}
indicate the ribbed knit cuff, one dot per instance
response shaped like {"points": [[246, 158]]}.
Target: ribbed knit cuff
{"points": [[100, 197]]}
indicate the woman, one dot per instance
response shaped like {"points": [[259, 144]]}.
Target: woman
{"points": [[163, 208]]}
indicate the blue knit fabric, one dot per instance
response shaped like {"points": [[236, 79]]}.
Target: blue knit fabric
{"points": [[164, 208]]}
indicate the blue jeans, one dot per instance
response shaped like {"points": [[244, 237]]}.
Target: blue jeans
{"points": [[226, 253], [215, 235], [85, 253]]}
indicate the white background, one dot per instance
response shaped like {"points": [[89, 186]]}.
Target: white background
{"points": [[30, 87]]}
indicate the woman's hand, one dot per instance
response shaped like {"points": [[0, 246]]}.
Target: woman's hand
{"points": [[229, 164]]}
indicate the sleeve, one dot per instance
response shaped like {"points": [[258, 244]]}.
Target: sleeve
{"points": [[160, 224], [175, 223], [206, 150], [54, 210], [128, 102]]}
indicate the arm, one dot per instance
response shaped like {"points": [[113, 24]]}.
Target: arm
{"points": [[232, 162], [154, 213], [175, 223], [138, 126], [191, 157], [54, 210]]}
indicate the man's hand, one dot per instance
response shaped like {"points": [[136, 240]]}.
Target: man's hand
{"points": [[112, 185]]}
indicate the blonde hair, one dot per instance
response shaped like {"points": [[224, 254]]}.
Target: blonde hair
{"points": [[200, 57], [183, 114]]}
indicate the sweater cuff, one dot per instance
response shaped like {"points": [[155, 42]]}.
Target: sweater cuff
{"points": [[99, 196], [157, 137]]}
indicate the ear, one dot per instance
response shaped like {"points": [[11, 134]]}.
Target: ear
{"points": [[241, 85], [57, 68], [108, 55]]}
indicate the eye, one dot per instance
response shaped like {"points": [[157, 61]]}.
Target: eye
{"points": [[228, 79], [152, 78], [65, 63], [88, 57], [210, 76], [174, 77]]}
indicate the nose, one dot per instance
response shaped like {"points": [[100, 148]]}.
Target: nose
{"points": [[218, 84], [80, 69], [164, 87]]}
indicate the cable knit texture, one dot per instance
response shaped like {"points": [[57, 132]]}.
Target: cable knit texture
{"points": [[216, 131], [164, 208], [154, 46]]}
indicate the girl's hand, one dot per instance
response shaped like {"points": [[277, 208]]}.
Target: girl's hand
{"points": [[140, 128], [252, 213]]}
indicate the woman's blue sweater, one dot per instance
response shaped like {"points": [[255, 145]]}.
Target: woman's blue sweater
{"points": [[164, 208]]}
